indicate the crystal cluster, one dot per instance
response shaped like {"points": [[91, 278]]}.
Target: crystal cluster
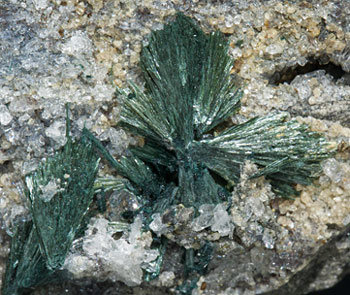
{"points": [[215, 217], [120, 259]]}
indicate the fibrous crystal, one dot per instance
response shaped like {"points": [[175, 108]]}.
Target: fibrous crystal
{"points": [[60, 191]]}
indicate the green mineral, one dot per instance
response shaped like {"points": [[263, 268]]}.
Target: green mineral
{"points": [[60, 192], [188, 157], [26, 266]]}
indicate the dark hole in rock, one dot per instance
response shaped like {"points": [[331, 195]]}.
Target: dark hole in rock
{"points": [[6, 167], [288, 74]]}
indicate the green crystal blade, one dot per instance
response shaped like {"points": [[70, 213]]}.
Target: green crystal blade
{"points": [[172, 65], [105, 184], [156, 155], [60, 192], [285, 151], [189, 88], [143, 179], [143, 115], [26, 266], [217, 97], [197, 187]]}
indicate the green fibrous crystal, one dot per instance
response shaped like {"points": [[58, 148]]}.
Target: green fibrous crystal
{"points": [[60, 192], [70, 175], [286, 151], [26, 266], [189, 91]]}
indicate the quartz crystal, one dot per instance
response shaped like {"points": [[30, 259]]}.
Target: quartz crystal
{"points": [[121, 259], [56, 131], [222, 221], [78, 44], [205, 218], [157, 226], [50, 189], [333, 170], [5, 116]]}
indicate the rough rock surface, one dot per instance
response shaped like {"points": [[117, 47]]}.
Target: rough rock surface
{"points": [[58, 51]]}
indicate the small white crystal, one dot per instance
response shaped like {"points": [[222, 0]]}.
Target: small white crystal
{"points": [[346, 219], [268, 239], [205, 219], [304, 91], [166, 278], [46, 91], [119, 140], [5, 116], [237, 19], [20, 105], [24, 118], [157, 226], [79, 265], [255, 206], [102, 92], [78, 44], [40, 4], [222, 221], [333, 170], [275, 49], [49, 190], [57, 131], [135, 230], [120, 260]]}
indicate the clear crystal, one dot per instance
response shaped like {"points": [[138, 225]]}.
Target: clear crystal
{"points": [[157, 226], [118, 260], [205, 219], [78, 44], [333, 170], [222, 221], [50, 189], [5, 116], [57, 131]]}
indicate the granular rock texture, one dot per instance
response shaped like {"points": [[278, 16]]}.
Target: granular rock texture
{"points": [[59, 51]]}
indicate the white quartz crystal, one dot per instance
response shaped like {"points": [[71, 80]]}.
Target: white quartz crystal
{"points": [[332, 169], [5, 116], [119, 260], [157, 226], [222, 221], [166, 278], [214, 216], [275, 49], [40, 4], [78, 44], [205, 219], [57, 131], [50, 189]]}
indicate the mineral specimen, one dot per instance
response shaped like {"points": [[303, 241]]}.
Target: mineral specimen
{"points": [[189, 157]]}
